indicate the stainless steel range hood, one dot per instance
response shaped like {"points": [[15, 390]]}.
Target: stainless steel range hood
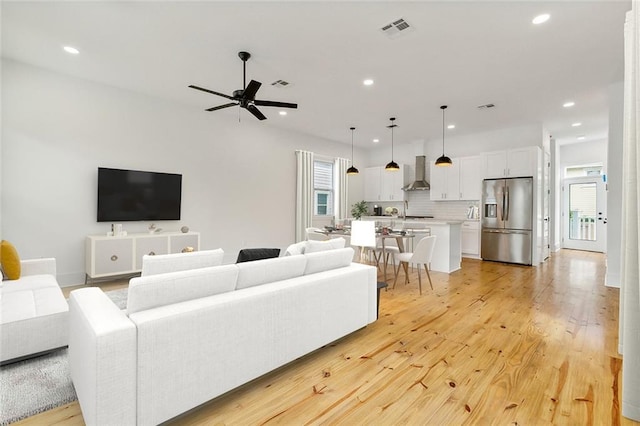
{"points": [[420, 184]]}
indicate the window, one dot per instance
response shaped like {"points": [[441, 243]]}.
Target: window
{"points": [[323, 188]]}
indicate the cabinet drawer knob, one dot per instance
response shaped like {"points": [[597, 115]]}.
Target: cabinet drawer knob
{"points": [[114, 258], [152, 253]]}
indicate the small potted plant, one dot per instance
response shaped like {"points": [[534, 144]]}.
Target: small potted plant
{"points": [[359, 209]]}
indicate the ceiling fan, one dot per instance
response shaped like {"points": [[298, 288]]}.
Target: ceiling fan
{"points": [[246, 97]]}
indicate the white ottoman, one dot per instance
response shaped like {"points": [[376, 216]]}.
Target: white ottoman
{"points": [[34, 315]]}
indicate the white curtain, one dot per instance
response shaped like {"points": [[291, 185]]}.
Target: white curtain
{"points": [[340, 168], [304, 193], [630, 287]]}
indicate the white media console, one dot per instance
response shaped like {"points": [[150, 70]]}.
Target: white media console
{"points": [[107, 256]]}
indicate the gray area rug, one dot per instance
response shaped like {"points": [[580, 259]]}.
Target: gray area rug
{"points": [[39, 384]]}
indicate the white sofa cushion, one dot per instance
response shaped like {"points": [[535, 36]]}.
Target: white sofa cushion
{"points": [[296, 248], [269, 270], [174, 287], [163, 263], [312, 246], [329, 259]]}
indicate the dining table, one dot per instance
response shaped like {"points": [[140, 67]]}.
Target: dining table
{"points": [[399, 236]]}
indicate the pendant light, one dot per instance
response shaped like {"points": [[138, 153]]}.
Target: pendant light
{"points": [[352, 170], [392, 166], [443, 161]]}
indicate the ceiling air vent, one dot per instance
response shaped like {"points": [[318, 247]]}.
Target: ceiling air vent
{"points": [[486, 106], [280, 83], [396, 27]]}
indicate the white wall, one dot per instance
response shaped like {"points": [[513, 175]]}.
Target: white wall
{"points": [[583, 153], [238, 178]]}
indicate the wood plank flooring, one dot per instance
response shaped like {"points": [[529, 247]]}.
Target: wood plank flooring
{"points": [[492, 344]]}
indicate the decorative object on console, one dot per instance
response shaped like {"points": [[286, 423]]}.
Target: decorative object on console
{"points": [[352, 170], [392, 166], [187, 249], [184, 229], [246, 97], [443, 161]]}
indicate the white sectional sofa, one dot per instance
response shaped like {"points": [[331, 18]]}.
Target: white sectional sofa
{"points": [[187, 337], [33, 312]]}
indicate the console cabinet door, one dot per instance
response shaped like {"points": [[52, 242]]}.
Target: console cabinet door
{"points": [[178, 243], [151, 245], [112, 256]]}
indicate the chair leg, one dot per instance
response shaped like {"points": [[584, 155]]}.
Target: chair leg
{"points": [[406, 272], [428, 276], [397, 271], [419, 281]]}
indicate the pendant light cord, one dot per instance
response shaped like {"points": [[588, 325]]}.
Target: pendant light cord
{"points": [[352, 129], [443, 108]]}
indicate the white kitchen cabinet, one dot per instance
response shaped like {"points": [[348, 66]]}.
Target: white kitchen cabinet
{"points": [[470, 178], [460, 181], [107, 256], [383, 185], [510, 163], [470, 239], [445, 182]]}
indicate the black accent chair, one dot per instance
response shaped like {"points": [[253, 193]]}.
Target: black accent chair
{"points": [[248, 255]]}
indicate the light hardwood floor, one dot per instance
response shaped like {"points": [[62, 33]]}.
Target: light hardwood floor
{"points": [[492, 344]]}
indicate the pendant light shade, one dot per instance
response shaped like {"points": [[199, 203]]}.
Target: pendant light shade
{"points": [[352, 170], [392, 166], [443, 161]]}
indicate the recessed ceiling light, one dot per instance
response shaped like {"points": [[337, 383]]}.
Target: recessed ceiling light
{"points": [[376, 140], [368, 82], [283, 112], [72, 50], [451, 126], [576, 124], [568, 104], [540, 19], [581, 138]]}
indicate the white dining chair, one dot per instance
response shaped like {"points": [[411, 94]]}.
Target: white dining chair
{"points": [[386, 251], [420, 256], [316, 234], [363, 235]]}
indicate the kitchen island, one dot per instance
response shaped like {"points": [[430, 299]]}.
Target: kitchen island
{"points": [[447, 254]]}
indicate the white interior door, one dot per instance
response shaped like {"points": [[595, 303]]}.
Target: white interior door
{"points": [[584, 215], [546, 190]]}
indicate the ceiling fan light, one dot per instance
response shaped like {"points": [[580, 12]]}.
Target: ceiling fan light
{"points": [[392, 166], [352, 171], [444, 161]]}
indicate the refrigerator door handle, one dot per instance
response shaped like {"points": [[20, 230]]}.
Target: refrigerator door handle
{"points": [[506, 204]]}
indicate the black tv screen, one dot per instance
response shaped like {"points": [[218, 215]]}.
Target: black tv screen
{"points": [[128, 195]]}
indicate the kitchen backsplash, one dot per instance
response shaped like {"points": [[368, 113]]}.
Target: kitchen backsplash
{"points": [[419, 204]]}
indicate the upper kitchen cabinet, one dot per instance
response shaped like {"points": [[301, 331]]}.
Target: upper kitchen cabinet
{"points": [[510, 163], [445, 181], [460, 181], [382, 185], [470, 178]]}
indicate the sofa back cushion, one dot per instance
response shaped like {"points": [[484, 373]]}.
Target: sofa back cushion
{"points": [[163, 263], [312, 246], [269, 270], [326, 260], [296, 248], [165, 289]]}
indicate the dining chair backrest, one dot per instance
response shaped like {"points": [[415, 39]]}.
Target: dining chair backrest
{"points": [[424, 250], [316, 234], [363, 233]]}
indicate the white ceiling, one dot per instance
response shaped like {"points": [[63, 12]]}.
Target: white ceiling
{"points": [[462, 54]]}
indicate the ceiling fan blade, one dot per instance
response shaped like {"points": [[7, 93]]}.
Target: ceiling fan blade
{"points": [[221, 106], [275, 104], [210, 91], [250, 91], [253, 110]]}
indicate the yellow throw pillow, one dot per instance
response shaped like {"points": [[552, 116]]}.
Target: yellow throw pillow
{"points": [[10, 260]]}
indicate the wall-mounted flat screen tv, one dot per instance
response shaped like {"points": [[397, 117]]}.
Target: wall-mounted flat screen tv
{"points": [[129, 195]]}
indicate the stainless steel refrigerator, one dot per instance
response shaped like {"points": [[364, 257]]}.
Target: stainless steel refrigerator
{"points": [[507, 220]]}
